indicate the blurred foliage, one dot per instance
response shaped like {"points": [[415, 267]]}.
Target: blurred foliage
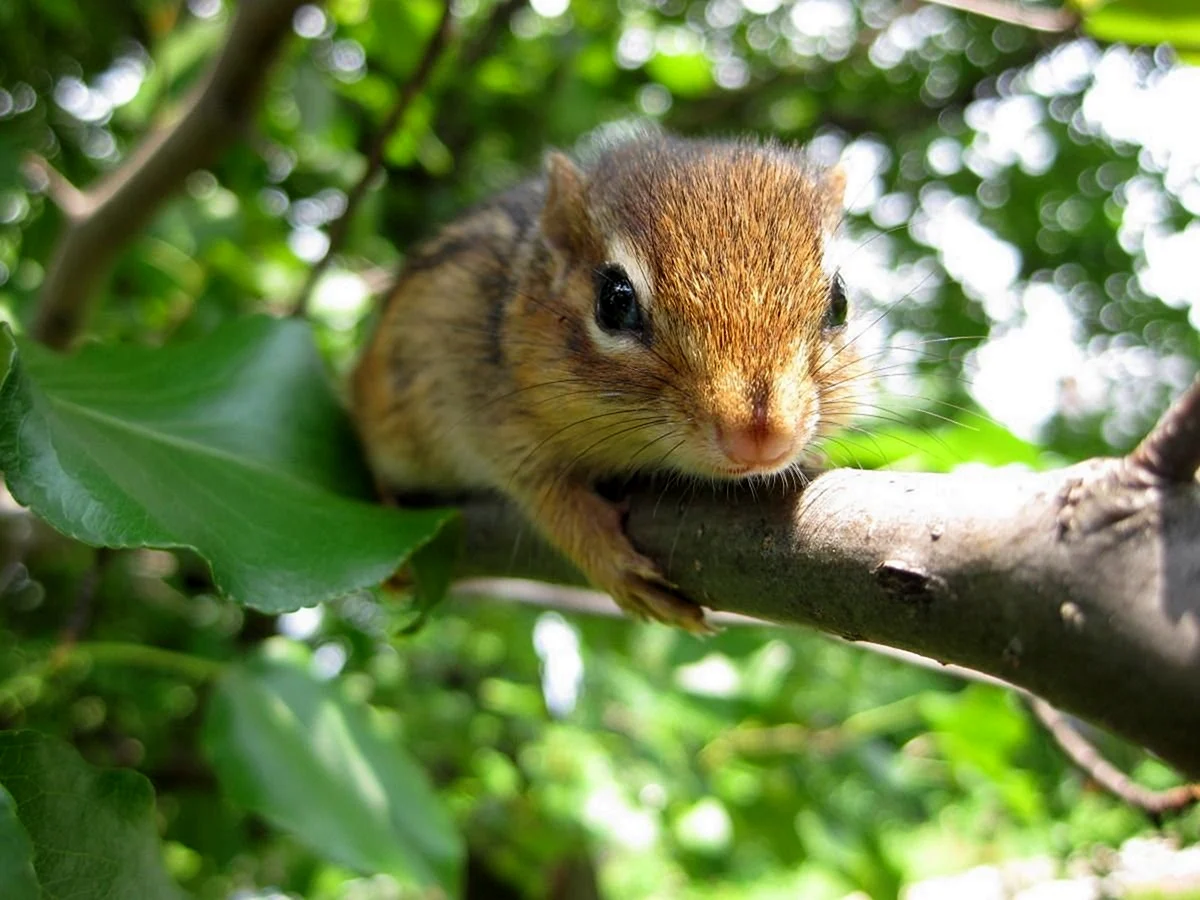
{"points": [[1005, 218]]}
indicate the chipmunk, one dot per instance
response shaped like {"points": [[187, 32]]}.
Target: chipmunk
{"points": [[665, 307]]}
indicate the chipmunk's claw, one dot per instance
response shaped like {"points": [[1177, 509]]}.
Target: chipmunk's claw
{"points": [[644, 591]]}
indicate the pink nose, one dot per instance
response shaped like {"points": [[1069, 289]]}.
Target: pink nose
{"points": [[755, 447]]}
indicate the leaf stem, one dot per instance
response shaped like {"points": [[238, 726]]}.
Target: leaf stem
{"points": [[123, 653], [192, 667]]}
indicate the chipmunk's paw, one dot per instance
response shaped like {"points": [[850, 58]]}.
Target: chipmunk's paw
{"points": [[642, 590], [590, 531]]}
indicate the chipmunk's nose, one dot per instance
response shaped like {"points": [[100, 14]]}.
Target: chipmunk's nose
{"points": [[757, 445]]}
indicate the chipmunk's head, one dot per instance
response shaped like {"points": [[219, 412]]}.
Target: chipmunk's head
{"points": [[701, 309]]}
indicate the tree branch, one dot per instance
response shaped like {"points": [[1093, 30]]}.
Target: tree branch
{"points": [[1081, 586], [101, 220], [485, 40], [1081, 752], [1054, 21], [409, 92], [449, 123]]}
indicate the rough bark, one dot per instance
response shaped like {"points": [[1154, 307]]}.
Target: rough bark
{"points": [[1080, 585]]}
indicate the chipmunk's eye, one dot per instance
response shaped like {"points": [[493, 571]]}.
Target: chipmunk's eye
{"points": [[835, 313], [617, 307]]}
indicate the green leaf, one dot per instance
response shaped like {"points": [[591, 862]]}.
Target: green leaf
{"points": [[981, 730], [8, 353], [17, 875], [1144, 22], [92, 830], [683, 74], [433, 570], [290, 747], [233, 446]]}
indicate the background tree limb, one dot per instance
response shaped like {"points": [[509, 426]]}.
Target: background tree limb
{"points": [[1085, 755], [1154, 803], [1012, 13], [101, 220]]}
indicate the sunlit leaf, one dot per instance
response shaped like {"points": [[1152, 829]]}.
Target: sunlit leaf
{"points": [[1144, 22], [291, 748], [980, 730], [684, 74], [935, 449]]}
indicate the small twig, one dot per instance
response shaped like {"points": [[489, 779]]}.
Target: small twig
{"points": [[780, 738], [44, 178], [409, 92], [449, 122], [173, 662], [587, 602], [102, 219], [1054, 21], [1171, 451], [485, 40], [1105, 774], [564, 598]]}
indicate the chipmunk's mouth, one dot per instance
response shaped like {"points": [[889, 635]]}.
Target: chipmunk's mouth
{"points": [[755, 471]]}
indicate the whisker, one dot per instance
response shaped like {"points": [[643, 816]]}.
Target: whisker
{"points": [[671, 433], [640, 423], [572, 465], [587, 389]]}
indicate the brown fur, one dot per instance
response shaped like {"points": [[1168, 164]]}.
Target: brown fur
{"points": [[487, 370]]}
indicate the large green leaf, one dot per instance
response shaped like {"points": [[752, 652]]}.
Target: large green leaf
{"points": [[291, 748], [91, 830], [233, 446]]}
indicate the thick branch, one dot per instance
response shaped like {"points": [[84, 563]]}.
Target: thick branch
{"points": [[122, 202], [1080, 585]]}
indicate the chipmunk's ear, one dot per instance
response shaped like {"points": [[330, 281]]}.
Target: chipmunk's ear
{"points": [[833, 188], [564, 216]]}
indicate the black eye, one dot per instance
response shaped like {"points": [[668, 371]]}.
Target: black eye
{"points": [[617, 307], [835, 313]]}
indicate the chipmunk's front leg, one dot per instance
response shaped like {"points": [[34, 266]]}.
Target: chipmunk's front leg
{"points": [[589, 531]]}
